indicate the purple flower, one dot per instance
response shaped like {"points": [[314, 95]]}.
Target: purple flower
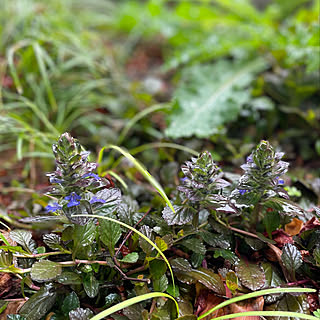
{"points": [[250, 159], [242, 191], [91, 175], [74, 200], [95, 200], [280, 181], [55, 180], [53, 208]]}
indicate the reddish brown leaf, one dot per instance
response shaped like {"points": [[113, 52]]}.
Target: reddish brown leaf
{"points": [[311, 224], [248, 305], [206, 301], [281, 238]]}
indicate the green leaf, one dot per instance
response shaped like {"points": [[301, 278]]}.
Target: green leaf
{"points": [[91, 285], [69, 278], [83, 235], [316, 255], [180, 216], [194, 244], [226, 254], [70, 303], [251, 275], [295, 304], [112, 298], [40, 303], [14, 249], [132, 257], [215, 240], [292, 259], [210, 96], [146, 246], [161, 284], [15, 317], [52, 240], [180, 264], [157, 268], [110, 234], [209, 279], [271, 221], [45, 270], [255, 244], [23, 237], [80, 314], [232, 281]]}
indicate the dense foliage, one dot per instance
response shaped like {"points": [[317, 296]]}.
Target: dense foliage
{"points": [[153, 84], [222, 238]]}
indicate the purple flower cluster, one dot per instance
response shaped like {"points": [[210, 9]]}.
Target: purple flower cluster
{"points": [[242, 191], [93, 175], [74, 199], [53, 208]]}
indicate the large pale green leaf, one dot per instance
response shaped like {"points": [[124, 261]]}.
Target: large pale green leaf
{"points": [[251, 275], [210, 96], [39, 304], [45, 270], [24, 238]]}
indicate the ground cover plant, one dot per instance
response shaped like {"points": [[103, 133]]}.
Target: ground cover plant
{"points": [[184, 208], [217, 238]]}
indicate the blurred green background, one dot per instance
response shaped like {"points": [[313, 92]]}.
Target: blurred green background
{"points": [[218, 75]]}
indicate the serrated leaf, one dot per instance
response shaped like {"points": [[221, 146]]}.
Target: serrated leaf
{"points": [[292, 259], [145, 246], [70, 303], [111, 299], [15, 317], [83, 208], [80, 314], [293, 304], [45, 270], [83, 235], [210, 96], [180, 264], [215, 240], [181, 216], [39, 304], [69, 278], [194, 244], [161, 244], [251, 275], [90, 285], [226, 254], [157, 268], [161, 284], [110, 234], [22, 237], [52, 240], [132, 257], [111, 196]]}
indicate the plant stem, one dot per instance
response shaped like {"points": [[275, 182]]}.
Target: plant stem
{"points": [[38, 255]]}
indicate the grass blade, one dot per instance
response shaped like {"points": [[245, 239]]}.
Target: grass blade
{"points": [[267, 314], [255, 294], [139, 116], [140, 168], [130, 302]]}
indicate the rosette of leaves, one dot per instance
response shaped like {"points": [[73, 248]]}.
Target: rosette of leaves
{"points": [[201, 188], [80, 191], [261, 184]]}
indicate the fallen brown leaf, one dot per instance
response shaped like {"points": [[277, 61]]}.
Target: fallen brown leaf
{"points": [[248, 305], [12, 308], [293, 228]]}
